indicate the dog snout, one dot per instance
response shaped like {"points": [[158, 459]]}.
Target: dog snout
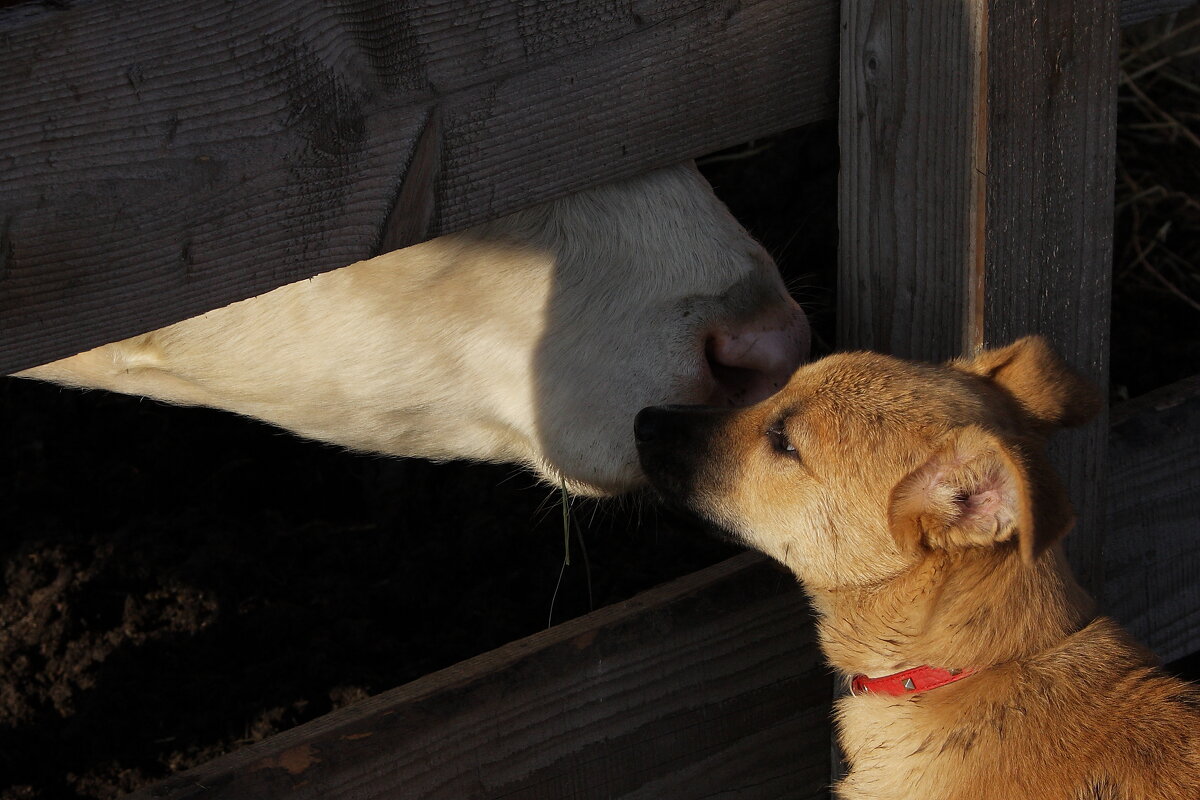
{"points": [[673, 444], [651, 424], [667, 425]]}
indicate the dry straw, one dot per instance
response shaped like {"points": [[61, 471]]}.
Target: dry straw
{"points": [[1158, 161]]}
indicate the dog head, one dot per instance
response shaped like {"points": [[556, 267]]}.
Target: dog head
{"points": [[865, 463]]}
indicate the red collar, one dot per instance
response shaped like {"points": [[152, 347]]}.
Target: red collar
{"points": [[911, 681]]}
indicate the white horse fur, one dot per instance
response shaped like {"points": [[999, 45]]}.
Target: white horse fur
{"points": [[532, 339]]}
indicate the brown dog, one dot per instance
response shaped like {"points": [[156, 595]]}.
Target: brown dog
{"points": [[916, 505]]}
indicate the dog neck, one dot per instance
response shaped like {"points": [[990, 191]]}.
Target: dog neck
{"points": [[969, 609]]}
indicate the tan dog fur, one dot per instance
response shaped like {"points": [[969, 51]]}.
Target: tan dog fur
{"points": [[921, 515]]}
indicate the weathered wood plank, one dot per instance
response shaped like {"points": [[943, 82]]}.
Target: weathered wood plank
{"points": [[708, 685], [906, 121], [976, 191], [162, 163], [1152, 554], [1047, 255], [712, 683], [1135, 11]]}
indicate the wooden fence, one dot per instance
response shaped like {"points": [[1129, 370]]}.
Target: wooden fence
{"points": [[163, 160], [706, 686]]}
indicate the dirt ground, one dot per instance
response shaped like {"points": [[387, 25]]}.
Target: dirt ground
{"points": [[179, 582]]}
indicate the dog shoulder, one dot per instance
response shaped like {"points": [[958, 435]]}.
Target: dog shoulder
{"points": [[1141, 724]]}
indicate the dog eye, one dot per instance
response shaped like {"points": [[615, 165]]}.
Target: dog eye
{"points": [[779, 440]]}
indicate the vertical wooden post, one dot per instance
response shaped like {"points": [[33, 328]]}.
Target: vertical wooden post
{"points": [[977, 146], [908, 102], [1047, 260]]}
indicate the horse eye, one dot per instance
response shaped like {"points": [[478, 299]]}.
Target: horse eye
{"points": [[779, 440]]}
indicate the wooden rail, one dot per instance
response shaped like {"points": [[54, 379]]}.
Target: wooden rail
{"points": [[158, 164], [708, 686], [1135, 11], [1152, 550]]}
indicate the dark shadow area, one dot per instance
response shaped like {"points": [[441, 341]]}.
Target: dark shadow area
{"points": [[1156, 247], [179, 582], [784, 190], [1187, 668]]}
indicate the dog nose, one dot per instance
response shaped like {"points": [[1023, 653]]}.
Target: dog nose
{"points": [[751, 361], [666, 425], [647, 425]]}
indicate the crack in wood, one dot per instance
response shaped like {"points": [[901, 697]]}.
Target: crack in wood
{"points": [[414, 207]]}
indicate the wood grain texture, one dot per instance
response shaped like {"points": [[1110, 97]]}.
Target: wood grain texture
{"points": [[711, 684], [976, 193], [1152, 554], [1047, 266], [708, 686], [157, 164], [906, 114], [1135, 11]]}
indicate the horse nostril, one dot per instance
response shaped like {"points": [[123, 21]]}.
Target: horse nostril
{"points": [[734, 385], [752, 364]]}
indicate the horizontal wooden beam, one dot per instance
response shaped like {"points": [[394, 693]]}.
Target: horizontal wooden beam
{"points": [[1152, 553], [1135, 11], [159, 164], [708, 686]]}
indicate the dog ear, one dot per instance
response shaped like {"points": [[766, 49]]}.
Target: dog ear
{"points": [[978, 490], [1048, 388]]}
